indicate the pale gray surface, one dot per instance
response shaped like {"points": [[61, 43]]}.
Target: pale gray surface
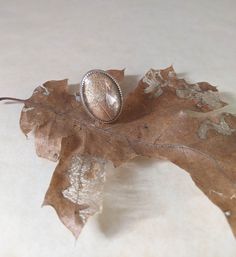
{"points": [[150, 209]]}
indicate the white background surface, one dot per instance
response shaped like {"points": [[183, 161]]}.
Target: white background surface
{"points": [[150, 209]]}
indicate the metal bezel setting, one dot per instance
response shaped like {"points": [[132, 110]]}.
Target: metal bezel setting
{"points": [[83, 100]]}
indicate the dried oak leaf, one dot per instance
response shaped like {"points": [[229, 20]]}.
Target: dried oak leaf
{"points": [[164, 117]]}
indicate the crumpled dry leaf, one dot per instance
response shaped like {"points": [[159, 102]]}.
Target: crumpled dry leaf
{"points": [[164, 117], [76, 189]]}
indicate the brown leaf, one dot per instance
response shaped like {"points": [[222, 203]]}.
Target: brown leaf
{"points": [[164, 117], [40, 114], [75, 191]]}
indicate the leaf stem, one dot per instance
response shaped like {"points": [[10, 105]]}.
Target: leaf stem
{"points": [[12, 99]]}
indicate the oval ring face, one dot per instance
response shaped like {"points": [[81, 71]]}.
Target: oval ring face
{"points": [[101, 96]]}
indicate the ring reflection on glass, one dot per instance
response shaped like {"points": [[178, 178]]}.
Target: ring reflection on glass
{"points": [[101, 96]]}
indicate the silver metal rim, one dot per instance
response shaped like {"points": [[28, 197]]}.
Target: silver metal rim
{"points": [[83, 100]]}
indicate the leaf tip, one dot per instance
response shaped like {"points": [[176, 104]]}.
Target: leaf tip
{"points": [[44, 203]]}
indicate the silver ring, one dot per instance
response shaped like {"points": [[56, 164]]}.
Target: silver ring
{"points": [[101, 96]]}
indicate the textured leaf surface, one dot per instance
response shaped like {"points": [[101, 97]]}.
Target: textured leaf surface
{"points": [[164, 117]]}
